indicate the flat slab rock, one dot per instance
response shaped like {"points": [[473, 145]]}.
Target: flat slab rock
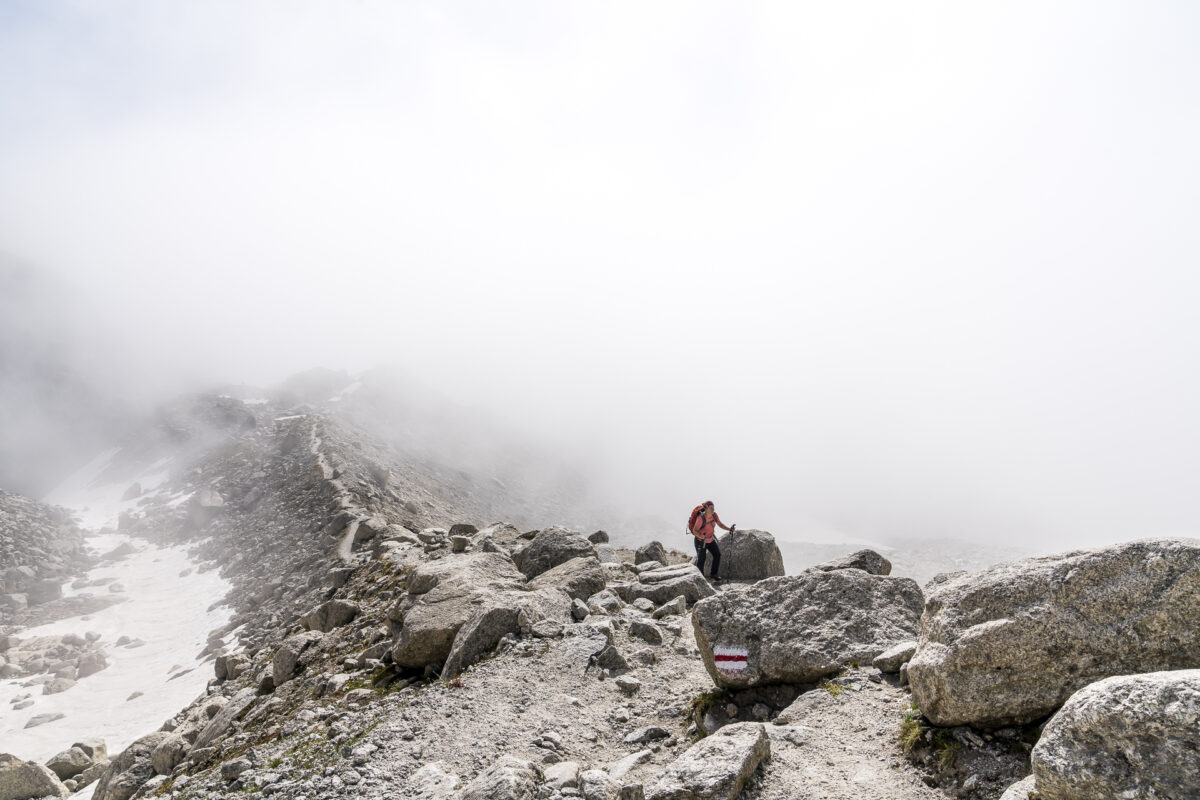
{"points": [[1010, 644], [1127, 736], [716, 767], [801, 628]]}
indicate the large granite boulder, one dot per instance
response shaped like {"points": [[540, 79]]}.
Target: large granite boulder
{"points": [[294, 654], [800, 628], [69, 763], [329, 615], [748, 555], [716, 767], [500, 615], [866, 560], [1127, 736], [128, 771], [21, 779], [551, 547], [653, 551], [222, 721], [1010, 644], [580, 578], [481, 594], [665, 584]]}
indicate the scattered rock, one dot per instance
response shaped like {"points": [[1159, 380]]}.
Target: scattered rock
{"points": [[599, 537], [42, 719]]}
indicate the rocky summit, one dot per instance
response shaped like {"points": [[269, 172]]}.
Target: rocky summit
{"points": [[403, 627]]}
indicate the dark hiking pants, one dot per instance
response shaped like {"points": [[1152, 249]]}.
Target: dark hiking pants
{"points": [[702, 551]]}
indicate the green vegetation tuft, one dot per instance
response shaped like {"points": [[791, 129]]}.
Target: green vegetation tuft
{"points": [[911, 729], [701, 704]]}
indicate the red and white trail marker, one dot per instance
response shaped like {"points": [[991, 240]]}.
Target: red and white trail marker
{"points": [[731, 660]]}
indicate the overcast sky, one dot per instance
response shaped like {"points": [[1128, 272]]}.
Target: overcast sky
{"points": [[868, 268]]}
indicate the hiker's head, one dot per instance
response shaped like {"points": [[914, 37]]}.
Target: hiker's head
{"points": [[709, 507]]}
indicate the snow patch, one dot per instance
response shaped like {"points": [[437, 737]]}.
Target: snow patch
{"points": [[171, 612]]}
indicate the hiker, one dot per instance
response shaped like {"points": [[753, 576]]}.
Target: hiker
{"points": [[702, 525]]}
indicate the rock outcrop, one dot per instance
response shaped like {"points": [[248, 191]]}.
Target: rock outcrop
{"points": [[1127, 736], [748, 555], [800, 628], [1010, 644]]}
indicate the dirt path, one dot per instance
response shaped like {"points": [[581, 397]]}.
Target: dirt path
{"points": [[842, 747]]}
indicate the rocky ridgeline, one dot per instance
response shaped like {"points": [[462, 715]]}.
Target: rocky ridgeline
{"points": [[385, 646], [40, 548]]}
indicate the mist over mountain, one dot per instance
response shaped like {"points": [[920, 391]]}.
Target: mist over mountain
{"points": [[60, 402]]}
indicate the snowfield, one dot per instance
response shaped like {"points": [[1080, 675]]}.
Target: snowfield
{"points": [[169, 606]]}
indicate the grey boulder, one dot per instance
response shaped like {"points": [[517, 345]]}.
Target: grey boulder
{"points": [[329, 615], [551, 547], [294, 654], [663, 585], [27, 779], [69, 763], [580, 578], [442, 596], [128, 771], [1126, 736], [867, 560], [892, 659], [654, 551], [716, 767], [1009, 645], [800, 628], [749, 555], [509, 778], [1021, 790], [500, 615]]}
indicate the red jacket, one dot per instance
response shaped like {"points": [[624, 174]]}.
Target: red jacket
{"points": [[706, 527]]}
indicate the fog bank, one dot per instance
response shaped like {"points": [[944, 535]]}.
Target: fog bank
{"points": [[866, 271]]}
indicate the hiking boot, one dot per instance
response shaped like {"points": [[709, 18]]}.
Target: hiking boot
{"points": [[715, 579]]}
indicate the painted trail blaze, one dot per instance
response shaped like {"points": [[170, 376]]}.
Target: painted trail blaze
{"points": [[731, 660]]}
